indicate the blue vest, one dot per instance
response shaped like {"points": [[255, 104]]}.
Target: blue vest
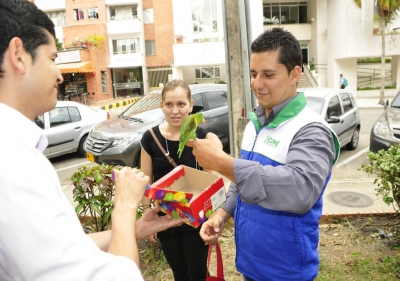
{"points": [[278, 245]]}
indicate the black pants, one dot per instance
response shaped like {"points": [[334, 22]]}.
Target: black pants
{"points": [[186, 255], [342, 87]]}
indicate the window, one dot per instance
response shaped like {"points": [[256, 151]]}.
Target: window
{"points": [[40, 121], [64, 115], [150, 47], [208, 72], [59, 18], [104, 82], [334, 108], [79, 14], [148, 16], [346, 101], [289, 12], [74, 113], [93, 13], [198, 103], [204, 15], [216, 99], [123, 12], [126, 46]]}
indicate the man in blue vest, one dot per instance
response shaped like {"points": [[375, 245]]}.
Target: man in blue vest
{"points": [[286, 160]]}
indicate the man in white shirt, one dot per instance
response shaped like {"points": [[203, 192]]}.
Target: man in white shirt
{"points": [[40, 235]]}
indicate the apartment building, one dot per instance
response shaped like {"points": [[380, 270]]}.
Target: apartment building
{"points": [[332, 34], [135, 54]]}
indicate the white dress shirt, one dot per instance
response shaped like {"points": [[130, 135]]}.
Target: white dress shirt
{"points": [[41, 237]]}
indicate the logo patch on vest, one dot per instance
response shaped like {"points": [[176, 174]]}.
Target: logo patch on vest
{"points": [[272, 142]]}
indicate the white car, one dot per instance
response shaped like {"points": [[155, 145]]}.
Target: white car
{"points": [[67, 127], [339, 108]]}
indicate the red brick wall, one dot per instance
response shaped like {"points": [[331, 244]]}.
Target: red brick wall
{"points": [[162, 31]]}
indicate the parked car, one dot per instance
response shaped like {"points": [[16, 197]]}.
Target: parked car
{"points": [[117, 141], [386, 130], [339, 109], [67, 126]]}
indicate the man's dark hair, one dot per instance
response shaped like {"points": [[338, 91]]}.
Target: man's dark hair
{"points": [[277, 39], [22, 19]]}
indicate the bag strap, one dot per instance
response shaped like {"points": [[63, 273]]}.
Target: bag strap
{"points": [[170, 160], [220, 266]]}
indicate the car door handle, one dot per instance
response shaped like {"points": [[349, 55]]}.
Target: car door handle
{"points": [[342, 121], [77, 128]]}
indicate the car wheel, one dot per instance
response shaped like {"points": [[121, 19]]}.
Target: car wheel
{"points": [[354, 140], [81, 151]]}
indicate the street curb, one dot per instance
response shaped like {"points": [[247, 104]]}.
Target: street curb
{"points": [[119, 104], [331, 218]]}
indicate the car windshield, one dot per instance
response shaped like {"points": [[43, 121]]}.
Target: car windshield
{"points": [[396, 101], [149, 115], [149, 101], [315, 104]]}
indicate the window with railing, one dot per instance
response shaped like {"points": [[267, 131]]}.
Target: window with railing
{"points": [[285, 12], [59, 18], [126, 46], [205, 73], [79, 14], [93, 13], [204, 15], [123, 12]]}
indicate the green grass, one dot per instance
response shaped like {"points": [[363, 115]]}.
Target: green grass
{"points": [[361, 268]]}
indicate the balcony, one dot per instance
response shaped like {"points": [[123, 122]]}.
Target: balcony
{"points": [[203, 53], [126, 60], [124, 26], [302, 31], [47, 5], [119, 2]]}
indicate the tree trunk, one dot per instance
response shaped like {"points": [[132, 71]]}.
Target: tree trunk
{"points": [[382, 93]]}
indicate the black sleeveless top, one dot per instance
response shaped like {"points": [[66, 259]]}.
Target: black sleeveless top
{"points": [[161, 166]]}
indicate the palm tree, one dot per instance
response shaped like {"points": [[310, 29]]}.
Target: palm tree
{"points": [[387, 10]]}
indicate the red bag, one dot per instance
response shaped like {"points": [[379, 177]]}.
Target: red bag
{"points": [[220, 267]]}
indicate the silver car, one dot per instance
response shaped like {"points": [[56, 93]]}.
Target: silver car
{"points": [[386, 130], [117, 141], [339, 109], [67, 126]]}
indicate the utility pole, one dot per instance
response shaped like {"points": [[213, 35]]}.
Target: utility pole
{"points": [[237, 69]]}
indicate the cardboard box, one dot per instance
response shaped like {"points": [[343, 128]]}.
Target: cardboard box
{"points": [[188, 193]]}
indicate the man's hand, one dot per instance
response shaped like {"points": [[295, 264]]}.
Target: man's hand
{"points": [[212, 228], [210, 155], [206, 150], [129, 187], [151, 223]]}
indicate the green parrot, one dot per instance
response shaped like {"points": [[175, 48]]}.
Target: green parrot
{"points": [[188, 130]]}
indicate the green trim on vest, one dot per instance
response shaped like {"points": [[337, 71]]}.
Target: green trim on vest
{"points": [[289, 111]]}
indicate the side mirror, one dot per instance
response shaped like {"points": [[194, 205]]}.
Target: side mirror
{"points": [[333, 120], [386, 104]]}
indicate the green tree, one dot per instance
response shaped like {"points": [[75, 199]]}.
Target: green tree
{"points": [[59, 45], [387, 10]]}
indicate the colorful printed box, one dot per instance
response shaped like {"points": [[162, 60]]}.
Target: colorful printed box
{"points": [[187, 192]]}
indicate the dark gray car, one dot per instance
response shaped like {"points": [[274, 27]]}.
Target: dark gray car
{"points": [[117, 140], [386, 130]]}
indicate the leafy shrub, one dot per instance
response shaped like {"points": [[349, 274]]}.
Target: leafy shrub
{"points": [[94, 192], [374, 88], [385, 165], [373, 60]]}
